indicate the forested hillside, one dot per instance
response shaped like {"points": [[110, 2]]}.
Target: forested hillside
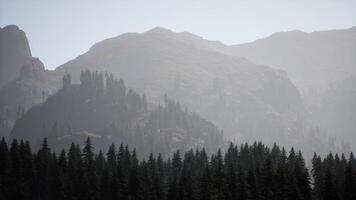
{"points": [[103, 108], [248, 172]]}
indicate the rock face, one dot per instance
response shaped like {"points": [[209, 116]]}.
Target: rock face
{"points": [[243, 98], [24, 82], [312, 60], [14, 52], [335, 111], [32, 87]]}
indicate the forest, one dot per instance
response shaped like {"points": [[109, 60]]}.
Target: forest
{"points": [[102, 107], [246, 172]]}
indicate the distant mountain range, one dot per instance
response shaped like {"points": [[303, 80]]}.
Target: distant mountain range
{"points": [[313, 61], [221, 83], [246, 100]]}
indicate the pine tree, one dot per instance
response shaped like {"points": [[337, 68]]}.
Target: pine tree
{"points": [[218, 176], [241, 185], [349, 192], [112, 160], [89, 171], [43, 169], [329, 190], [27, 169], [252, 185], [266, 179], [280, 190], [302, 177], [232, 182], [4, 168], [134, 183], [317, 176], [205, 189]]}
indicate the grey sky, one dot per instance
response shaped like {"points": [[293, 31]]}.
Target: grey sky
{"points": [[61, 30]]}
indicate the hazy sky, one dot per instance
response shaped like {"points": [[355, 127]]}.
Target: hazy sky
{"points": [[61, 30]]}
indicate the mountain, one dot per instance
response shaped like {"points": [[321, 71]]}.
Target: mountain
{"points": [[248, 101], [104, 109], [33, 85], [313, 61], [334, 110], [24, 82], [14, 52]]}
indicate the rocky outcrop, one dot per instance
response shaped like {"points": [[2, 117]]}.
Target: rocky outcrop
{"points": [[14, 52], [33, 85]]}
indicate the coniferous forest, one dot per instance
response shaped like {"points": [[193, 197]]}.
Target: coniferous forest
{"points": [[247, 172]]}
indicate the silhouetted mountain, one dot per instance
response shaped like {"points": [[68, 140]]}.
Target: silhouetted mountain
{"points": [[102, 107], [247, 100], [14, 52], [312, 60]]}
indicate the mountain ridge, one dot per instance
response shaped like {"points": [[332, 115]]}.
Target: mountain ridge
{"points": [[160, 62]]}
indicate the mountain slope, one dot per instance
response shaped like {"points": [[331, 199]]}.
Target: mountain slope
{"points": [[312, 60], [24, 81], [335, 110], [243, 98], [33, 86], [102, 107]]}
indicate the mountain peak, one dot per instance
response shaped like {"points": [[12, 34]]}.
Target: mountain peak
{"points": [[14, 52], [11, 27], [159, 30], [288, 33]]}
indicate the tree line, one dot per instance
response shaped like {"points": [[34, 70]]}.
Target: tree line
{"points": [[246, 172]]}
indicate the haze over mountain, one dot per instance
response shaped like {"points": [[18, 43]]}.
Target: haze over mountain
{"points": [[178, 100], [334, 110], [104, 109], [24, 81], [248, 101], [258, 101], [313, 60]]}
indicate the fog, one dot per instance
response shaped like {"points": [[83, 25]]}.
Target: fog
{"points": [[178, 100], [274, 72]]}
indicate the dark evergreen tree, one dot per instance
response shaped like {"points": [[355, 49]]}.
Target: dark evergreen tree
{"points": [[83, 174], [4, 169], [329, 190], [90, 177], [350, 180]]}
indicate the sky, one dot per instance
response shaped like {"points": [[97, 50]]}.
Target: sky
{"points": [[60, 30]]}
